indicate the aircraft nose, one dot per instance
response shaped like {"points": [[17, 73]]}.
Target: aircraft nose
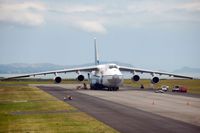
{"points": [[115, 79]]}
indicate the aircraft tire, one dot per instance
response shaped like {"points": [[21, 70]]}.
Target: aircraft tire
{"points": [[113, 88], [116, 88], [92, 87]]}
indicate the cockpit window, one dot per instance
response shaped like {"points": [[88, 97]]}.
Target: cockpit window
{"points": [[112, 66]]}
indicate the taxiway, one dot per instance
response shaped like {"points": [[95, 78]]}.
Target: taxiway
{"points": [[134, 111]]}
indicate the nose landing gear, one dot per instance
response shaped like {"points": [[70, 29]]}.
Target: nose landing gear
{"points": [[113, 88]]}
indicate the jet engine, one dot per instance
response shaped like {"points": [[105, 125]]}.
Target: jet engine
{"points": [[80, 77], [57, 79], [136, 78], [155, 80]]}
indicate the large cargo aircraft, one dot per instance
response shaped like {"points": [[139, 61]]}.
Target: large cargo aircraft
{"points": [[104, 75]]}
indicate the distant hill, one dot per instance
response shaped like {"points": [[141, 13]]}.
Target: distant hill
{"points": [[187, 70], [194, 72], [27, 68], [18, 68]]}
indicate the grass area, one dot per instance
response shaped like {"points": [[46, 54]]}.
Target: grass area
{"points": [[192, 85], [38, 81], [17, 96], [23, 98]]}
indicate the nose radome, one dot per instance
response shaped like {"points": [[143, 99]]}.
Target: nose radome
{"points": [[115, 79]]}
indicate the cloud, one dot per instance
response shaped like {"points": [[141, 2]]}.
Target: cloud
{"points": [[91, 26], [97, 16], [27, 13], [162, 12], [190, 6], [82, 8], [131, 14], [81, 16]]}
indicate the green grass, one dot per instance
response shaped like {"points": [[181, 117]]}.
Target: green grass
{"points": [[17, 96], [192, 85], [37, 81], [23, 98]]}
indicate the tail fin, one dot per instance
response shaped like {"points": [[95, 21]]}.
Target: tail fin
{"points": [[96, 53]]}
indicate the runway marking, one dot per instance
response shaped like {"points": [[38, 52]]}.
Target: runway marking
{"points": [[43, 112], [24, 101], [123, 118], [20, 101]]}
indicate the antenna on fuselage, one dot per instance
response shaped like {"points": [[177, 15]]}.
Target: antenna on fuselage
{"points": [[96, 52]]}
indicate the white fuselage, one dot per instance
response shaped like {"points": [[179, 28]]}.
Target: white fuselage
{"points": [[107, 75]]}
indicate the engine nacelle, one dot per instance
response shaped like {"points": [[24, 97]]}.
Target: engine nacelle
{"points": [[80, 77], [155, 80], [57, 79], [136, 78]]}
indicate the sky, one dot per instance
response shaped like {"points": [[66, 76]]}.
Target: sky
{"points": [[150, 34]]}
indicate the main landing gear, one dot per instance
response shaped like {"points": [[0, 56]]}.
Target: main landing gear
{"points": [[113, 88], [101, 87]]}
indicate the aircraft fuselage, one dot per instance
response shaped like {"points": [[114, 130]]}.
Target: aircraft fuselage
{"points": [[107, 76]]}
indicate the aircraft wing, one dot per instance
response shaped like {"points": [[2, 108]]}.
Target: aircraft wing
{"points": [[133, 70], [84, 69]]}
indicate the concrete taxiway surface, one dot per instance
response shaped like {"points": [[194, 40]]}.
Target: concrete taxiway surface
{"points": [[134, 111]]}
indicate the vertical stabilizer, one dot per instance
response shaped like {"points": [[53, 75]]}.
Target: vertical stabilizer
{"points": [[96, 53]]}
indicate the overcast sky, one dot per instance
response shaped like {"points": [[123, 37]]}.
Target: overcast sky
{"points": [[151, 34]]}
